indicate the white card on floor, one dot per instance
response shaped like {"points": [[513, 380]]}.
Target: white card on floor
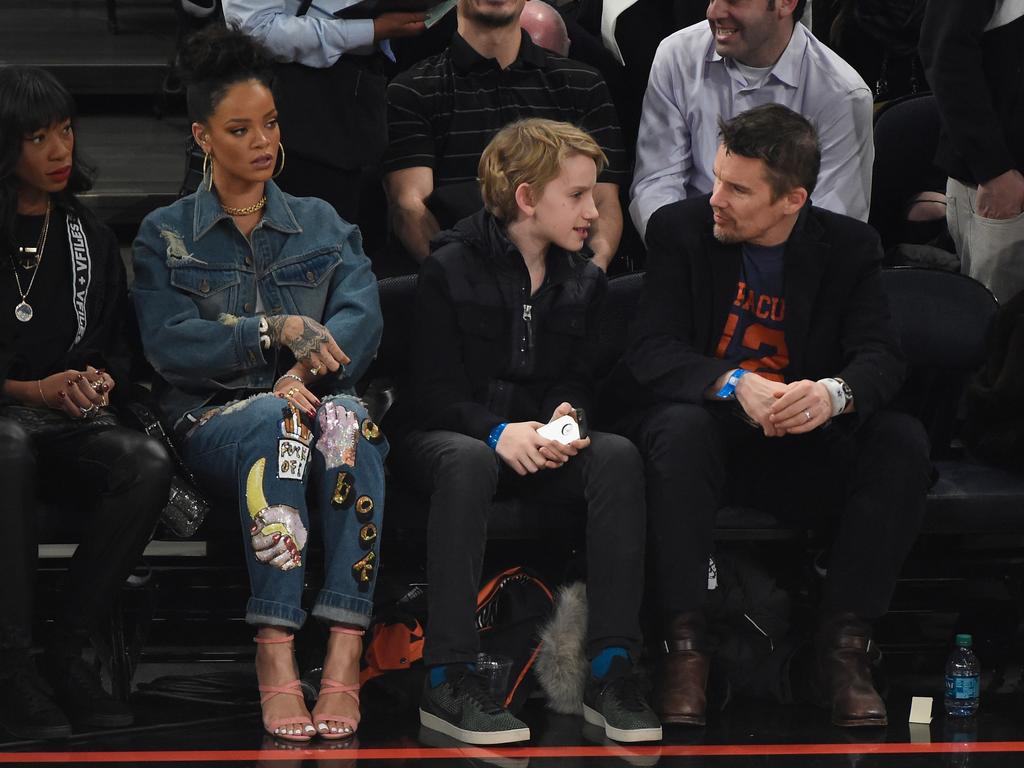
{"points": [[920, 733], [921, 709], [292, 456]]}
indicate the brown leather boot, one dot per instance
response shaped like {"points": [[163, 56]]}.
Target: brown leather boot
{"points": [[844, 672], [679, 693]]}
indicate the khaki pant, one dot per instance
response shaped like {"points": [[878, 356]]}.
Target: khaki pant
{"points": [[991, 250]]}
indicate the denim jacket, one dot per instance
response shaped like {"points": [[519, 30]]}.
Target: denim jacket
{"points": [[195, 293]]}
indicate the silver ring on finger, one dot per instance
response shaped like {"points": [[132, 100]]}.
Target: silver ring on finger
{"points": [[807, 413]]}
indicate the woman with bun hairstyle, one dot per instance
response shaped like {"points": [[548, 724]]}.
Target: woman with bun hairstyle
{"points": [[62, 365], [259, 313]]}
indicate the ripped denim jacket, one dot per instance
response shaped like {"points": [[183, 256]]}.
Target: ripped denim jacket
{"points": [[198, 283]]}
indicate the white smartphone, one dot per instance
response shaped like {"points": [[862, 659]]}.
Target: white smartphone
{"points": [[564, 429]]}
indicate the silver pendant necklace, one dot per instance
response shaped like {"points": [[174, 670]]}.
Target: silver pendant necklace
{"points": [[23, 311]]}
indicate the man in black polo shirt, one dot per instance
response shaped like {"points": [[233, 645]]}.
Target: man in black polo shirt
{"points": [[443, 112]]}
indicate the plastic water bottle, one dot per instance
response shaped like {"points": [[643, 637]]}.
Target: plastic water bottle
{"points": [[962, 679]]}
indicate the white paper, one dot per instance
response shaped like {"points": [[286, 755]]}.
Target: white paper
{"points": [[921, 709]]}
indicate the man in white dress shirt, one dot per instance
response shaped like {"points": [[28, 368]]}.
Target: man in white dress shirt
{"points": [[748, 53]]}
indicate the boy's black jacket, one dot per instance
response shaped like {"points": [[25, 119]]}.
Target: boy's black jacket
{"points": [[484, 350]]}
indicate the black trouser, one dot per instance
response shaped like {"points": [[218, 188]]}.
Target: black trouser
{"points": [[461, 475], [869, 484], [114, 481]]}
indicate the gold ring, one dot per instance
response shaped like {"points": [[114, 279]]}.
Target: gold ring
{"points": [[315, 371], [291, 392]]}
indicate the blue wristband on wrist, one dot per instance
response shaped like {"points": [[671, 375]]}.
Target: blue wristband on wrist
{"points": [[495, 436], [728, 390]]}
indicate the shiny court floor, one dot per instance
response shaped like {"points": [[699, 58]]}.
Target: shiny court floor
{"points": [[746, 734]]}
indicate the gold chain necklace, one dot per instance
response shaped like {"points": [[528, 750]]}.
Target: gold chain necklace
{"points": [[23, 311], [248, 210]]}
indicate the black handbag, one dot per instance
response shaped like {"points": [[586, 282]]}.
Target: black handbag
{"points": [[186, 506]]}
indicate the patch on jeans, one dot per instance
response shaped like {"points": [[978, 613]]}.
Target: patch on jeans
{"points": [[370, 431], [362, 571], [364, 508], [277, 532], [367, 535], [292, 457], [339, 434], [344, 491], [292, 425]]}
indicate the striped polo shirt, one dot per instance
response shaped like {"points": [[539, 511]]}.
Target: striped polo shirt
{"points": [[444, 110]]}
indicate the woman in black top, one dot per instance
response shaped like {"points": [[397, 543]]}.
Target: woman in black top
{"points": [[62, 294]]}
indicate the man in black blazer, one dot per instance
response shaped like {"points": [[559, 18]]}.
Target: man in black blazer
{"points": [[761, 360]]}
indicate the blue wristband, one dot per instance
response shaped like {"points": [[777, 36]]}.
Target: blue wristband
{"points": [[495, 436], [728, 390]]}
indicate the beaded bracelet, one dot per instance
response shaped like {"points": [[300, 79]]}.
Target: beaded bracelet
{"points": [[291, 376]]}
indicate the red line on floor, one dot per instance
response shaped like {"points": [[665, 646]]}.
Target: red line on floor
{"points": [[425, 753]]}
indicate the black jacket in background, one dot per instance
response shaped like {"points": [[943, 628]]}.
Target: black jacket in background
{"points": [[110, 326], [978, 80], [476, 360], [837, 315]]}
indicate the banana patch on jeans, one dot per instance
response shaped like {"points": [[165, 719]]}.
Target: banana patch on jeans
{"points": [[277, 533], [339, 435]]}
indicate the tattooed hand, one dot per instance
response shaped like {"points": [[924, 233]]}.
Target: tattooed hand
{"points": [[310, 342]]}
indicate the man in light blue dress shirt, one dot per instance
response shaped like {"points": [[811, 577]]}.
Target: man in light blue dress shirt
{"points": [[748, 53], [331, 94]]}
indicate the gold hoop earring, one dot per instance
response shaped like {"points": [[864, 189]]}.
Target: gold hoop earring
{"points": [[208, 161], [281, 169]]}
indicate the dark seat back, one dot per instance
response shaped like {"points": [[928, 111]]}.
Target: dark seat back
{"points": [[943, 320]]}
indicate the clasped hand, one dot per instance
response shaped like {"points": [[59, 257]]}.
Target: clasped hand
{"points": [[784, 409], [77, 393], [526, 452]]}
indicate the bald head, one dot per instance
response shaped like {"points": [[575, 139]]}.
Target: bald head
{"points": [[545, 27]]}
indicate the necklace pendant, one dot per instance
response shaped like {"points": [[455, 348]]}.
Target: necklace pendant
{"points": [[23, 311]]}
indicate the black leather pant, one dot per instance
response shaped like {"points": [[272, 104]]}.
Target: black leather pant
{"points": [[109, 486]]}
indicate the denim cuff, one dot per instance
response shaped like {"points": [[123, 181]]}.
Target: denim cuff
{"points": [[247, 343], [343, 609], [259, 611]]}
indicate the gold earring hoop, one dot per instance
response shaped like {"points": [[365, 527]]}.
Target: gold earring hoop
{"points": [[208, 161], [281, 169]]}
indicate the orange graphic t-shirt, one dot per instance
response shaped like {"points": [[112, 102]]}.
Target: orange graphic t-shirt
{"points": [[754, 336]]}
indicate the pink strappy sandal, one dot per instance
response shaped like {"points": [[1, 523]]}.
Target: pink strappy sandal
{"points": [[291, 688], [328, 686]]}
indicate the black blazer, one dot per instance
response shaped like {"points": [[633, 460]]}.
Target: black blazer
{"points": [[837, 315]]}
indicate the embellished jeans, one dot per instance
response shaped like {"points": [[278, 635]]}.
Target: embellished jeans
{"points": [[279, 467]]}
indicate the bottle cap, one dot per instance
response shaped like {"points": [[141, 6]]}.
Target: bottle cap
{"points": [[965, 641]]}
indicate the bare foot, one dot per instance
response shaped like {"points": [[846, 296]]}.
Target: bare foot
{"points": [[342, 665], [275, 666]]}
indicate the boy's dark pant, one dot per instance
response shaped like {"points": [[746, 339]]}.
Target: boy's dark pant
{"points": [[871, 483], [461, 475]]}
